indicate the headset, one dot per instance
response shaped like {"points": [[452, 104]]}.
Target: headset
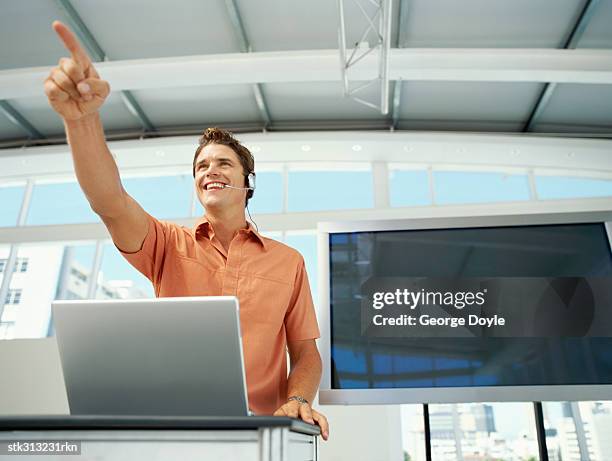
{"points": [[250, 188]]}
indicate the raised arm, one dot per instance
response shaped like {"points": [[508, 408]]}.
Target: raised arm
{"points": [[76, 92]]}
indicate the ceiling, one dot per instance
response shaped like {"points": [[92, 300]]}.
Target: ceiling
{"points": [[148, 30]]}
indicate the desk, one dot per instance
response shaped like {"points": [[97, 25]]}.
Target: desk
{"points": [[166, 438]]}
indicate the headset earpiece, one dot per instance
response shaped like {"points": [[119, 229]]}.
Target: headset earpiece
{"points": [[251, 184]]}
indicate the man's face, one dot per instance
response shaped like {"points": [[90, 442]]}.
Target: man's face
{"points": [[219, 165]]}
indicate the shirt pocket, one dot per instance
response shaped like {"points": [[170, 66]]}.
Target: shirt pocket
{"points": [[189, 277], [264, 301]]}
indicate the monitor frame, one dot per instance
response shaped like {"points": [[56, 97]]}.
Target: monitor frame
{"points": [[329, 396]]}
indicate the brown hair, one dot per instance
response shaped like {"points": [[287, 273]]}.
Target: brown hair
{"points": [[216, 135]]}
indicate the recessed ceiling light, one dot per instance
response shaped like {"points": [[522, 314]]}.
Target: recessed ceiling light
{"points": [[256, 148], [408, 148], [306, 148], [356, 147], [160, 153], [515, 152]]}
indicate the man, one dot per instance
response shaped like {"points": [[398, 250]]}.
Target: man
{"points": [[222, 255]]}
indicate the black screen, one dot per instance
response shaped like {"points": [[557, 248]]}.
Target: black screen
{"points": [[362, 362]]}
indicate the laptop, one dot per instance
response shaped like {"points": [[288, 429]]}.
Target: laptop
{"points": [[154, 357]]}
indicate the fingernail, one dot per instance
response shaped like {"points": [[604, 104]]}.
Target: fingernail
{"points": [[84, 88], [87, 97]]}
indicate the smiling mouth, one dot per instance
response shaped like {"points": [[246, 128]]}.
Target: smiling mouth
{"points": [[214, 186]]}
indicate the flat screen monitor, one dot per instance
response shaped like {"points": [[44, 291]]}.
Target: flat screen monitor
{"points": [[480, 308]]}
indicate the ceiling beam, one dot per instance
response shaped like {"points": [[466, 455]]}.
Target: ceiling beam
{"points": [[245, 47], [14, 116], [424, 64], [98, 55], [571, 42]]}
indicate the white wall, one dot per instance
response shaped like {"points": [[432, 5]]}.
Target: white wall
{"points": [[31, 381], [362, 432]]}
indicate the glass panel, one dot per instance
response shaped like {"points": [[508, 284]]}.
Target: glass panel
{"points": [[475, 187], [162, 196], [330, 190], [6, 328], [75, 274], [559, 187], [409, 187], [11, 198], [59, 203], [33, 287], [572, 429], [306, 244], [597, 420], [561, 436], [117, 279], [4, 254], [268, 197], [413, 432], [483, 431]]}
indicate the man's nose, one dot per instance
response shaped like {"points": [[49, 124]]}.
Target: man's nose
{"points": [[211, 171]]}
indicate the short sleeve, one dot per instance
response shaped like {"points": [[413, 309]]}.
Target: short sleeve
{"points": [[149, 259], [301, 320]]}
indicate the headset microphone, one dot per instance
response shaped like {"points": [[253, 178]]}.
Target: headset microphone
{"points": [[251, 179], [239, 188]]}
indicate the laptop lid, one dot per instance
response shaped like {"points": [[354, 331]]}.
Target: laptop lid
{"points": [[164, 356]]}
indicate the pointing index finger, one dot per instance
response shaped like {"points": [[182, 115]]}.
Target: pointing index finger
{"points": [[72, 44]]}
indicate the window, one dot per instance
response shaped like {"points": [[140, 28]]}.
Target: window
{"points": [[413, 432], [408, 186], [164, 197], [59, 203], [44, 272], [118, 279], [76, 272], [11, 197], [23, 267], [561, 187], [479, 187], [4, 254], [13, 296], [483, 431], [573, 428], [334, 187]]}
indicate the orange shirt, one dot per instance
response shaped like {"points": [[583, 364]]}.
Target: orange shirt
{"points": [[268, 278]]}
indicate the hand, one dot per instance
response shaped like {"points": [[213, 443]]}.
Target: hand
{"points": [[74, 88], [303, 411]]}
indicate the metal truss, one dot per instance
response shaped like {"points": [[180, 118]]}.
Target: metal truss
{"points": [[578, 29], [379, 23]]}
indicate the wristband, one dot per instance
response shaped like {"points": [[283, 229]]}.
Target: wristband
{"points": [[298, 398]]}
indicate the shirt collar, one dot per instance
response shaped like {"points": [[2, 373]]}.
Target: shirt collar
{"points": [[204, 227]]}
